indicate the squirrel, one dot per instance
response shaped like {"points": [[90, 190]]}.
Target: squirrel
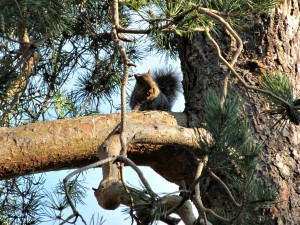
{"points": [[155, 93]]}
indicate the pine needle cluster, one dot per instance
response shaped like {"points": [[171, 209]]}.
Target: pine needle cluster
{"points": [[21, 200], [73, 54], [234, 157], [181, 19], [279, 84], [148, 209]]}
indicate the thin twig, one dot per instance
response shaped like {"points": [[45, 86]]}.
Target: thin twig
{"points": [[216, 178], [172, 210], [66, 179], [64, 221], [185, 197], [93, 165], [197, 189], [218, 16], [120, 167], [126, 64], [165, 28], [16, 41], [137, 170], [214, 14], [233, 61], [244, 83], [203, 210]]}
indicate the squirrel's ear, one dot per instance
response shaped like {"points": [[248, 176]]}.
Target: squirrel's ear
{"points": [[149, 71]]}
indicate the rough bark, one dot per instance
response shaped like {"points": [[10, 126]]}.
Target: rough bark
{"points": [[198, 63], [272, 43], [72, 143], [280, 43]]}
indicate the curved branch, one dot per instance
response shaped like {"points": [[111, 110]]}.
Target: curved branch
{"points": [[244, 83], [110, 193], [65, 182], [216, 178], [137, 170], [234, 35]]}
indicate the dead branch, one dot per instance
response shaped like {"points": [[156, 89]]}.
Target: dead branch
{"points": [[244, 83], [115, 23], [216, 178], [110, 193], [75, 213]]}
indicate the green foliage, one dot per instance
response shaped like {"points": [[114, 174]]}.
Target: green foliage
{"points": [[56, 206], [240, 7], [261, 196], [234, 157], [136, 5], [75, 54], [149, 207], [21, 200], [41, 16], [278, 83], [183, 17], [230, 131]]}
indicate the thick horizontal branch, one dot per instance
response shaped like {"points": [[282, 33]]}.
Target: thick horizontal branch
{"points": [[65, 144], [166, 134]]}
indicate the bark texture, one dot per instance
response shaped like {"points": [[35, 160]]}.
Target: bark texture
{"points": [[72, 143], [272, 43], [65, 144]]}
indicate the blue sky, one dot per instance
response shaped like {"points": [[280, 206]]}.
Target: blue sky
{"points": [[94, 176]]}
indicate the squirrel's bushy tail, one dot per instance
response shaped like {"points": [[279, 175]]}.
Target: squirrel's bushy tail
{"points": [[168, 82]]}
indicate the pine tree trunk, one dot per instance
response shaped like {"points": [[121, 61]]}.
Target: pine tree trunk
{"points": [[272, 43]]}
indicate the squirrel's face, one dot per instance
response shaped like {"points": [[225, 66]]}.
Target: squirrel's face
{"points": [[146, 86], [143, 80]]}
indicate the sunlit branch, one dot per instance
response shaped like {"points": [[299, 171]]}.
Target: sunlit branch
{"points": [[199, 204], [137, 170], [115, 23], [244, 83], [120, 166]]}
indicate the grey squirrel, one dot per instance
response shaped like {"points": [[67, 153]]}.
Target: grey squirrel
{"points": [[155, 93]]}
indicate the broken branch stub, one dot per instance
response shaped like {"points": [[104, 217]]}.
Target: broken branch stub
{"points": [[110, 193]]}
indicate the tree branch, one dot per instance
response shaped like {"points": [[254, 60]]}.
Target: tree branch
{"points": [[109, 193], [67, 143], [136, 169], [66, 188], [216, 178], [115, 23], [244, 83]]}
